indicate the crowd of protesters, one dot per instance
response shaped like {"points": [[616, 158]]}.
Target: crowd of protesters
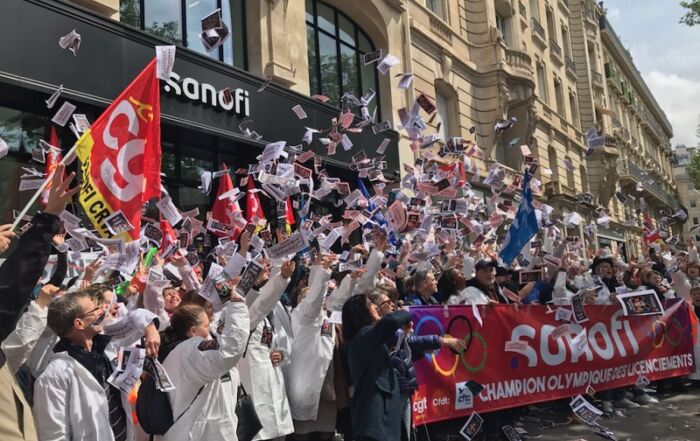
{"points": [[319, 352]]}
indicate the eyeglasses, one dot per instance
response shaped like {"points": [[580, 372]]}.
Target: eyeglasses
{"points": [[384, 303], [100, 318], [90, 312]]}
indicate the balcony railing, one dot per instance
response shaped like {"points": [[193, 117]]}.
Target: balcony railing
{"points": [[614, 77], [627, 168], [570, 66], [615, 122], [554, 48], [538, 29], [523, 10]]}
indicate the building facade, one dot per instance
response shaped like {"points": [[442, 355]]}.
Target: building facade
{"points": [[689, 195], [555, 65]]}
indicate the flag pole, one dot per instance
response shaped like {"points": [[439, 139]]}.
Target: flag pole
{"points": [[42, 188]]}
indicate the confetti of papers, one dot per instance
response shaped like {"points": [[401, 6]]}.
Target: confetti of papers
{"points": [[70, 41]]}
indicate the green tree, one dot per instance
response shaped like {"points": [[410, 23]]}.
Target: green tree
{"points": [[692, 17], [694, 171], [129, 13]]}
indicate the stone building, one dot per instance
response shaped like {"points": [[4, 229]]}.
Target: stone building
{"points": [[689, 195], [555, 65]]}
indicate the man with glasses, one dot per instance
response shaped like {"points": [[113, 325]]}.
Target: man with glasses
{"points": [[72, 398]]}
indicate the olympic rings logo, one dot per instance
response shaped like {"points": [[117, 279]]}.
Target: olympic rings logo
{"points": [[468, 338], [660, 330]]}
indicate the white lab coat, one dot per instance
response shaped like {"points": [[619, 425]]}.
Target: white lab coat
{"points": [[368, 280], [33, 342], [19, 344], [261, 380], [312, 350], [69, 404], [337, 298], [470, 295], [211, 415]]}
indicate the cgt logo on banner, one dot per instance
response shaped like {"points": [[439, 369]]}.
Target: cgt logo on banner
{"points": [[525, 356], [120, 156]]}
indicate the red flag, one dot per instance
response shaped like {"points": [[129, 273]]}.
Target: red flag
{"points": [[169, 236], [120, 155], [289, 214], [53, 158], [223, 210], [252, 203], [651, 233]]}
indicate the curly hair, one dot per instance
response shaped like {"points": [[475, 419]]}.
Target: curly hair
{"points": [[356, 316]]}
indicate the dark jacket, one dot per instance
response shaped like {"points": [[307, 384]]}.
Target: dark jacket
{"points": [[418, 300], [18, 277], [402, 362], [22, 269], [376, 404]]}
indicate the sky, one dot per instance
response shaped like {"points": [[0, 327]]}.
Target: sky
{"points": [[667, 54]]}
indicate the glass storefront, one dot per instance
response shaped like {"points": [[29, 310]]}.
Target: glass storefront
{"points": [[179, 21]]}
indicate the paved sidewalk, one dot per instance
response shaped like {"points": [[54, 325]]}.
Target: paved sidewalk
{"points": [[675, 418]]}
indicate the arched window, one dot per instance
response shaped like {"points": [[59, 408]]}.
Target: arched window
{"points": [[336, 46]]}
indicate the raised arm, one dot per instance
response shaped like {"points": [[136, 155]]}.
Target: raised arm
{"points": [[208, 360], [310, 308], [270, 294]]}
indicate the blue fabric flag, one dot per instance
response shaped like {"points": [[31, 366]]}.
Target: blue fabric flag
{"points": [[523, 228], [378, 217]]}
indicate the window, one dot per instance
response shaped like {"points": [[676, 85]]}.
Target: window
{"points": [[446, 104], [584, 179], [22, 132], [551, 28], [437, 7], [565, 42], [573, 105], [691, 186], [534, 10], [179, 21], [335, 48], [504, 21], [693, 203], [559, 96], [542, 82], [503, 25], [695, 221], [444, 121]]}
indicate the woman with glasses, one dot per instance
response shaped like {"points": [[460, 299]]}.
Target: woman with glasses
{"points": [[405, 350]]}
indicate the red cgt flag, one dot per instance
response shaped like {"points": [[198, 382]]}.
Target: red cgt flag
{"points": [[252, 202], [120, 156], [223, 210]]}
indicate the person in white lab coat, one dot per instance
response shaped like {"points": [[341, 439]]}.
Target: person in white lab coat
{"points": [[311, 386], [72, 398], [260, 369], [199, 368]]}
